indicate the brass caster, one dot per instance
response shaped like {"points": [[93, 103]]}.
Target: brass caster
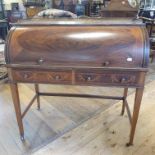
{"points": [[122, 114], [22, 138], [128, 144]]}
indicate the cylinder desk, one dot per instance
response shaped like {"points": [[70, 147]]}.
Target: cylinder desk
{"points": [[92, 52]]}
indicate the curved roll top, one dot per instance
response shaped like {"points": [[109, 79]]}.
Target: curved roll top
{"points": [[78, 45]]}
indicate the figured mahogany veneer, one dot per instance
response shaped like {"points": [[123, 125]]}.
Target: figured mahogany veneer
{"points": [[90, 52], [78, 77], [62, 77], [89, 46], [103, 78]]}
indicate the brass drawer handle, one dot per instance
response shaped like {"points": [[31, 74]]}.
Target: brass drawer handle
{"points": [[40, 61], [106, 63], [57, 77], [88, 78], [123, 80], [25, 76]]}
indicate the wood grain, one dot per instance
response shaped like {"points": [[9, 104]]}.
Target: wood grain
{"points": [[104, 133], [77, 46], [56, 117]]}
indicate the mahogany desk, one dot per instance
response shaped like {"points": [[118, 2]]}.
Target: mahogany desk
{"points": [[104, 52]]}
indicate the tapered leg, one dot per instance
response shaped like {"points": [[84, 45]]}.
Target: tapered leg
{"points": [[138, 99], [38, 97], [125, 96], [16, 102]]}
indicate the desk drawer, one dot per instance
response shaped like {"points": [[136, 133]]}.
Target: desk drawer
{"points": [[42, 76], [106, 77]]}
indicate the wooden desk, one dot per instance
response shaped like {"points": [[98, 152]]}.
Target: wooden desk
{"points": [[113, 53]]}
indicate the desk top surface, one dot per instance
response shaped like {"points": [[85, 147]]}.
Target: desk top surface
{"points": [[83, 22]]}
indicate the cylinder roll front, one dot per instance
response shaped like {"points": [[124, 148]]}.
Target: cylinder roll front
{"points": [[97, 46]]}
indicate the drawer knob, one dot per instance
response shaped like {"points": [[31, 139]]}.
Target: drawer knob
{"points": [[40, 61], [106, 63], [88, 78], [123, 80], [26, 76], [57, 77], [129, 59]]}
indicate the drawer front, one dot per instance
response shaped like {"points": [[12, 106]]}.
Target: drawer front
{"points": [[42, 76], [107, 78]]}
